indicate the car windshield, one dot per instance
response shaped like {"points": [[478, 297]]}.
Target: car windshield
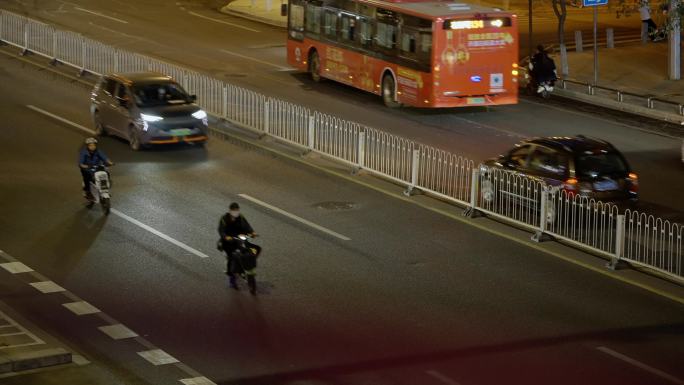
{"points": [[593, 165], [155, 94]]}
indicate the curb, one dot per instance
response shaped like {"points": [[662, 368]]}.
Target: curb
{"points": [[625, 107], [244, 15], [34, 360]]}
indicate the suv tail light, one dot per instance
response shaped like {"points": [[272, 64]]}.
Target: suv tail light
{"points": [[633, 179]]}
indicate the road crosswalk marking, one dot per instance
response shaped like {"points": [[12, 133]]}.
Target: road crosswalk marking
{"points": [[47, 287]]}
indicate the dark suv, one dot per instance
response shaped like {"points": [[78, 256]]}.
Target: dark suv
{"points": [[579, 165], [146, 108]]}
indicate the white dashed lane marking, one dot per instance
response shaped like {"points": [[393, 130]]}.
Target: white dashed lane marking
{"points": [[223, 22], [296, 218], [61, 119], [640, 365], [16, 267], [101, 15], [197, 381], [47, 287], [81, 308], [159, 234], [441, 377], [118, 331], [157, 357]]}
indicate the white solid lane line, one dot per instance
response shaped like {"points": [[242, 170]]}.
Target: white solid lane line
{"points": [[101, 15], [280, 68], [441, 377], [159, 234], [61, 119], [296, 218], [640, 365], [223, 22]]}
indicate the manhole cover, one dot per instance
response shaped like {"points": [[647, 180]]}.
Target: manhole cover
{"points": [[335, 205]]}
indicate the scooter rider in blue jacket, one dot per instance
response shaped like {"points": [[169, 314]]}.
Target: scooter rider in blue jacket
{"points": [[89, 158]]}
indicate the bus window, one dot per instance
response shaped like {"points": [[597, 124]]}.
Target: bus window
{"points": [[386, 35], [296, 20], [365, 37], [425, 51], [330, 24], [408, 42], [313, 18], [348, 28]]}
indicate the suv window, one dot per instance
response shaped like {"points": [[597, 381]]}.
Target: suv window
{"points": [[600, 164], [110, 86], [546, 161], [517, 158], [155, 94], [121, 91]]}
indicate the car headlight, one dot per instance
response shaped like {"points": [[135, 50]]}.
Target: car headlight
{"points": [[199, 114], [150, 118]]}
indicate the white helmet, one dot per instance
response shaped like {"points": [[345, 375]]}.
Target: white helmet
{"points": [[90, 141]]}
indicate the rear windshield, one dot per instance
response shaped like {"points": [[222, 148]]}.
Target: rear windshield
{"points": [[155, 94], [600, 164]]}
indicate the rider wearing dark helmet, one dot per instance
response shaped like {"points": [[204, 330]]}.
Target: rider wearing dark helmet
{"points": [[231, 225]]}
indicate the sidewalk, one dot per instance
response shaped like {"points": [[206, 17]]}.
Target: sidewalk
{"points": [[264, 11], [638, 69], [24, 347]]}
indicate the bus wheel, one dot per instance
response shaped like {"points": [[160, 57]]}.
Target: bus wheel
{"points": [[388, 91], [315, 67]]}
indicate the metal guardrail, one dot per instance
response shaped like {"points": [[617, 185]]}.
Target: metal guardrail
{"points": [[647, 101], [599, 227]]}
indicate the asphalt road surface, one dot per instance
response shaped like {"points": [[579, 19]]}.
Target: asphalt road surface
{"points": [[253, 55], [389, 293]]}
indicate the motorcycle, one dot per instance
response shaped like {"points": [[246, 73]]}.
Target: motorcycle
{"points": [[244, 260], [99, 189], [543, 89]]}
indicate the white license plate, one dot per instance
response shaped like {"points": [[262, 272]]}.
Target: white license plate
{"points": [[606, 185], [181, 132], [475, 100]]}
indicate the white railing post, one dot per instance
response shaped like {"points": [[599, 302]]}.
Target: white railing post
{"points": [[83, 56], [361, 155], [540, 234], [54, 47], [610, 38], [578, 41], [26, 38], [266, 117], [225, 102], [310, 133], [117, 61], [619, 243], [471, 210], [415, 164]]}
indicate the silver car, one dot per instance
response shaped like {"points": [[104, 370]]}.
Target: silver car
{"points": [[145, 109]]}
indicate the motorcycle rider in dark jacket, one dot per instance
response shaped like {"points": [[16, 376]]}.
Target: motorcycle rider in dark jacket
{"points": [[543, 67], [231, 225]]}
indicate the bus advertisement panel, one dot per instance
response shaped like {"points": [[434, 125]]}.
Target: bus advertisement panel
{"points": [[414, 53]]}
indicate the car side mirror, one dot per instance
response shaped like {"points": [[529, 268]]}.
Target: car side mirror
{"points": [[193, 98]]}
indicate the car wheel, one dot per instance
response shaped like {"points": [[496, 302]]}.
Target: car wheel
{"points": [[389, 90], [133, 139], [315, 67], [100, 129]]}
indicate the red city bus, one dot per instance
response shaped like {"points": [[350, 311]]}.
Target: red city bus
{"points": [[422, 53]]}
